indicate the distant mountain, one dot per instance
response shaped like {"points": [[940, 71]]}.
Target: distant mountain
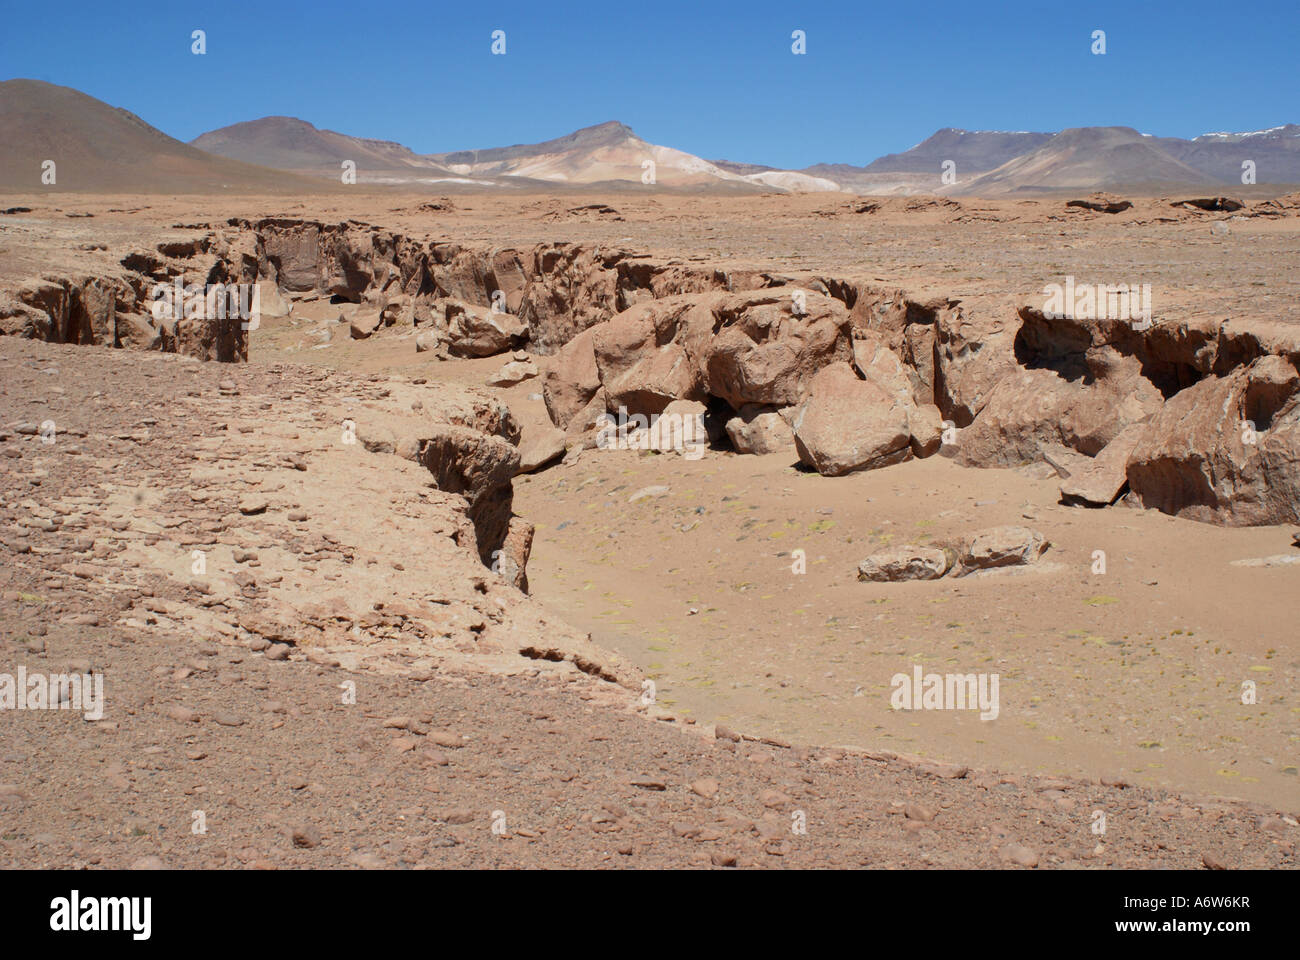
{"points": [[972, 151], [731, 166], [288, 143], [102, 148], [606, 151], [1275, 153], [96, 147], [1087, 158]]}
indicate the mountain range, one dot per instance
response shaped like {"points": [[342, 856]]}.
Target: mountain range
{"points": [[105, 148]]}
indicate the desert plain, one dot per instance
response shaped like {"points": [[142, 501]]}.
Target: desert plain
{"points": [[366, 589]]}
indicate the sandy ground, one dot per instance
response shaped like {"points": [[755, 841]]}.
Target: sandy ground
{"points": [[1137, 671], [396, 753]]}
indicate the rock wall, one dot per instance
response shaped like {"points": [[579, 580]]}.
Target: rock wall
{"points": [[1005, 383]]}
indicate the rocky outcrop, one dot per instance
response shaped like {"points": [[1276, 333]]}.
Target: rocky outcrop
{"points": [[1226, 450], [468, 441], [1102, 203], [973, 351], [1031, 408], [748, 348], [765, 347]]}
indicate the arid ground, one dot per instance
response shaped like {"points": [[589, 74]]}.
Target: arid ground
{"points": [[344, 681]]}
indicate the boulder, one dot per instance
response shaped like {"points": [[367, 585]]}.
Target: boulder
{"points": [[753, 347], [906, 562], [639, 362], [1001, 547], [759, 429], [543, 447], [515, 371], [880, 365], [926, 425], [847, 424], [431, 340], [571, 380], [1033, 407], [1225, 450], [480, 332], [1100, 481], [271, 302], [364, 322]]}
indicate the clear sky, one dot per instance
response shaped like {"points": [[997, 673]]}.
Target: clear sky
{"points": [[712, 78]]}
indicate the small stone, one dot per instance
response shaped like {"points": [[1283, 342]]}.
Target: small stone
{"points": [[919, 812], [646, 493], [705, 787], [183, 714], [1018, 854]]}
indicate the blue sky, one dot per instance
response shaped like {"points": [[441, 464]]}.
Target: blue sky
{"points": [[715, 79]]}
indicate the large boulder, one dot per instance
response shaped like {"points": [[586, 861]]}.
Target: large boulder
{"points": [[480, 331], [764, 347], [1032, 408], [571, 380], [1225, 450], [847, 424], [639, 361]]}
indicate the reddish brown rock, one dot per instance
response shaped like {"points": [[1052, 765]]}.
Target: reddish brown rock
{"points": [[849, 424], [1226, 450]]}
